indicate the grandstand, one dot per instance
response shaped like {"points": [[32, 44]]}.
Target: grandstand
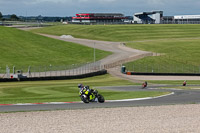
{"points": [[99, 18], [154, 17]]}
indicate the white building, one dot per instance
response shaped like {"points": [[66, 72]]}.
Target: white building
{"points": [[187, 19], [194, 17], [154, 17]]}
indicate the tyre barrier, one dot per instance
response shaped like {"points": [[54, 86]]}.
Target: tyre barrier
{"points": [[102, 72]]}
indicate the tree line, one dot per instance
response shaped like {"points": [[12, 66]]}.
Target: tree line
{"points": [[1, 16], [12, 17]]}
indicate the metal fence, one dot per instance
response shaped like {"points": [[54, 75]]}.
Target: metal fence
{"points": [[64, 70], [145, 68], [50, 71]]}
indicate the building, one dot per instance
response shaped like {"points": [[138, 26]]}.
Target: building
{"points": [[187, 19], [154, 17], [181, 19], [168, 20], [104, 18]]}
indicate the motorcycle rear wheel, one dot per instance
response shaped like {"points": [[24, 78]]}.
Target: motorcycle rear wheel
{"points": [[84, 99]]}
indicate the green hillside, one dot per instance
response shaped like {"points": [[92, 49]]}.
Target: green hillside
{"points": [[23, 48], [180, 44], [124, 32]]}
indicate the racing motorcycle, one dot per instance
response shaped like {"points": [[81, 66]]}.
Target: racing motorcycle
{"points": [[96, 97], [144, 85]]}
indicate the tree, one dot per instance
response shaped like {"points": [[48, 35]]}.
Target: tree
{"points": [[14, 17], [1, 16]]}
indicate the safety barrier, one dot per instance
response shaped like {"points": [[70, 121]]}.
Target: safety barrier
{"points": [[101, 72]]}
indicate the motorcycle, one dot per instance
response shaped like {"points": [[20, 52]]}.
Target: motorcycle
{"points": [[97, 97], [144, 85]]}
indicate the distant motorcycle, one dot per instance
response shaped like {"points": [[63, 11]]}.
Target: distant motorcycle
{"points": [[97, 97], [184, 83], [144, 85]]}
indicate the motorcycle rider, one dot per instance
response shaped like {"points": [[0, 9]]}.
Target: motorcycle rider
{"points": [[144, 85], [86, 90], [82, 89], [90, 93], [184, 83]]}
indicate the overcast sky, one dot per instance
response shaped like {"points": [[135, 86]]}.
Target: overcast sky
{"points": [[71, 7]]}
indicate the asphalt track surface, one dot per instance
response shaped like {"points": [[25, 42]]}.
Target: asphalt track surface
{"points": [[179, 97]]}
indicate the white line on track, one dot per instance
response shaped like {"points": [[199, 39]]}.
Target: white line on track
{"points": [[137, 99]]}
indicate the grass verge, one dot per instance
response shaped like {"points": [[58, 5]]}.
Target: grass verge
{"points": [[22, 49], [124, 32], [180, 56]]}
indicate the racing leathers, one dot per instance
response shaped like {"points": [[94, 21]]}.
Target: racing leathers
{"points": [[88, 92]]}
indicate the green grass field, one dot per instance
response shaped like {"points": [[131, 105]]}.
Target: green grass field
{"points": [[181, 55], [65, 90], [178, 43], [21, 48], [124, 32]]}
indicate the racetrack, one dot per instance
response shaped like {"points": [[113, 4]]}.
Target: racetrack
{"points": [[179, 97], [120, 52]]}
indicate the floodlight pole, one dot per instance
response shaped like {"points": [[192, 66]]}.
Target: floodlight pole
{"points": [[94, 53], [26, 23]]}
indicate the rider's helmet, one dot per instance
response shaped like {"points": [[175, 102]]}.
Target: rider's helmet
{"points": [[86, 87], [80, 85]]}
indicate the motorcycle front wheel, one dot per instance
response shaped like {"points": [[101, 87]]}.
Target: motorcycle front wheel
{"points": [[100, 98]]}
